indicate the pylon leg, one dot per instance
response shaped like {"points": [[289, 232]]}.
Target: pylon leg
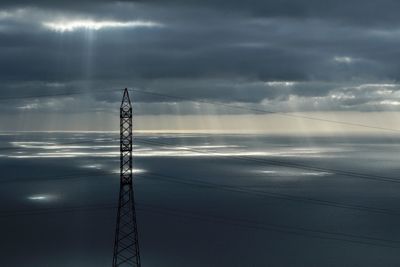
{"points": [[126, 245]]}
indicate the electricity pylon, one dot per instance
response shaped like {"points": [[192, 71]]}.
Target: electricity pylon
{"points": [[126, 246]]}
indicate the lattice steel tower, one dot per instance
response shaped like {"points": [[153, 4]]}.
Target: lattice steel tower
{"points": [[126, 246]]}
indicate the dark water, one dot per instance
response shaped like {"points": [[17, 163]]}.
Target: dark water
{"points": [[203, 200]]}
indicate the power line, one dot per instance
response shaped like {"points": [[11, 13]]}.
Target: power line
{"points": [[255, 110], [263, 111], [277, 228], [268, 226], [233, 188], [258, 160], [70, 176], [57, 94], [14, 213], [273, 195], [224, 187], [54, 143], [284, 164], [243, 223]]}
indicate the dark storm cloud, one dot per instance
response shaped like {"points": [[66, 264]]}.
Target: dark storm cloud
{"points": [[226, 51], [355, 11]]}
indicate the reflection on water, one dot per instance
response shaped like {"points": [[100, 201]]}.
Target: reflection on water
{"points": [[50, 179], [42, 197], [164, 147]]}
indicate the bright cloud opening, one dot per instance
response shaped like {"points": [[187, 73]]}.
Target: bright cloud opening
{"points": [[347, 60], [390, 102], [69, 26], [281, 83]]}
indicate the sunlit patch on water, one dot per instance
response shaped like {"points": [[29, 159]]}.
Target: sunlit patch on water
{"points": [[93, 166], [48, 145], [288, 174], [296, 173], [42, 198], [105, 147], [134, 171], [65, 154]]}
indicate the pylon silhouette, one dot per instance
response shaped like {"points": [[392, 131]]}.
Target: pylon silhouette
{"points": [[126, 245]]}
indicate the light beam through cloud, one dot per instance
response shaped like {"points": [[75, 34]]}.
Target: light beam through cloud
{"points": [[73, 25]]}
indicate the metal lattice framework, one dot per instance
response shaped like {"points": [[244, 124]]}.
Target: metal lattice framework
{"points": [[126, 246]]}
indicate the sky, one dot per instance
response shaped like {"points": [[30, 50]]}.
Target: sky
{"points": [[335, 60], [280, 67]]}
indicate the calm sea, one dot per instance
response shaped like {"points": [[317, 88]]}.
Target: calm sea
{"points": [[202, 200]]}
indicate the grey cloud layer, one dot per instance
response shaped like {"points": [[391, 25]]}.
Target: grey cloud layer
{"points": [[355, 11], [224, 51]]}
